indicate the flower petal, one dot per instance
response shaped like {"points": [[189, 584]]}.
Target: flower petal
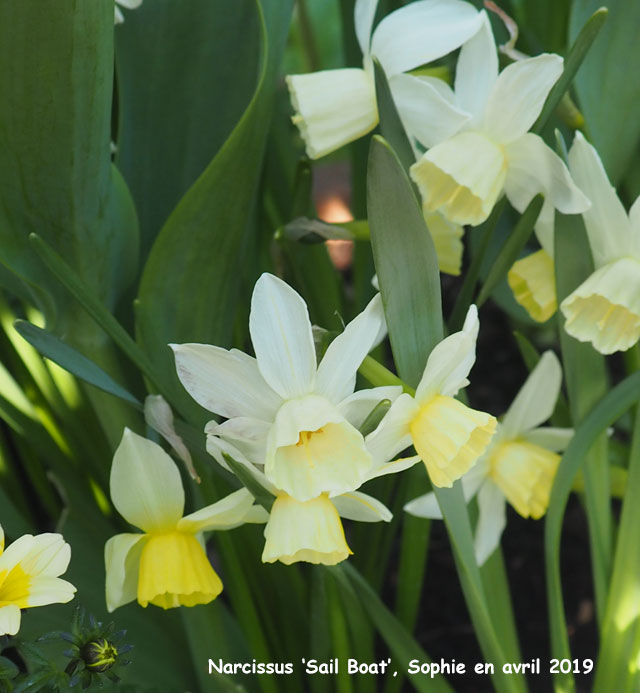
{"points": [[424, 506], [554, 439], [421, 32], [332, 108], [392, 434], [281, 335], [361, 508], [534, 403], [246, 434], [45, 590], [535, 168], [48, 556], [461, 177], [450, 361], [15, 553], [492, 519], [217, 446], [477, 70], [308, 531], [357, 407], [122, 560], [394, 467], [9, 619], [347, 351], [425, 112], [363, 15], [606, 221], [518, 96], [447, 239], [605, 308], [533, 282], [227, 513], [146, 487], [227, 383]]}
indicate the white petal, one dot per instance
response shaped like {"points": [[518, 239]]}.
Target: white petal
{"points": [[421, 32], [227, 513], [477, 70], [122, 560], [332, 108], [224, 382], [146, 487], [399, 465], [535, 168], [607, 223], [118, 18], [634, 219], [534, 403], [9, 619], [216, 446], [246, 434], [1, 540], [424, 506], [347, 351], [15, 553], [518, 96], [450, 361], [425, 113], [361, 508], [281, 335], [492, 520], [554, 439], [363, 14], [46, 590], [49, 556], [392, 434], [359, 405], [129, 4]]}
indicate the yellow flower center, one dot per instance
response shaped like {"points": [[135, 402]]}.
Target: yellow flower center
{"points": [[14, 587], [175, 571], [450, 437], [524, 472]]}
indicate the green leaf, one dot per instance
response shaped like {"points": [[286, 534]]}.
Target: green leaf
{"points": [[608, 410], [512, 248], [73, 361], [56, 176], [191, 280], [406, 263], [610, 100], [391, 126], [590, 28], [403, 647]]}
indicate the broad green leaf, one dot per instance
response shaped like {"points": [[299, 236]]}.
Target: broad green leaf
{"points": [[608, 410], [73, 361], [56, 176], [609, 99], [511, 249], [588, 31], [406, 263], [186, 72], [586, 376], [192, 277]]}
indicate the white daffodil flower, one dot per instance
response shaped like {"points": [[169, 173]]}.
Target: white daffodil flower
{"points": [[167, 565], [448, 436], [298, 417], [520, 464], [605, 308], [335, 107], [129, 4], [478, 136], [533, 282], [30, 572], [310, 530]]}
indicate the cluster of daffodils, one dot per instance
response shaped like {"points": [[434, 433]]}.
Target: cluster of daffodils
{"points": [[30, 570], [519, 465]]}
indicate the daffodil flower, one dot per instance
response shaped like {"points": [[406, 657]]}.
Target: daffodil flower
{"points": [[520, 464], [167, 565], [478, 139], [310, 530], [30, 572], [299, 418], [533, 282], [605, 308], [129, 4], [335, 107], [448, 436]]}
